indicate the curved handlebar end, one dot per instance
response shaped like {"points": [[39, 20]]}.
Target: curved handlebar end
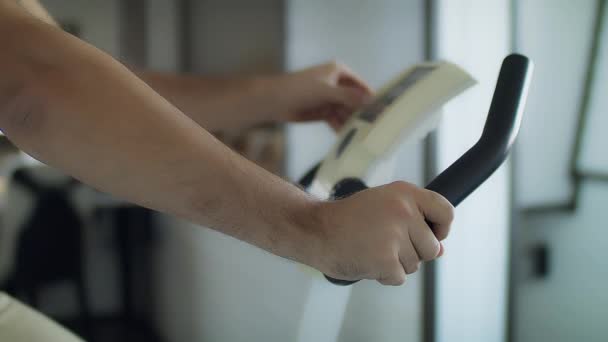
{"points": [[501, 128]]}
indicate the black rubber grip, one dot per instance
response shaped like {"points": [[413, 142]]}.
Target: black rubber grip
{"points": [[461, 178]]}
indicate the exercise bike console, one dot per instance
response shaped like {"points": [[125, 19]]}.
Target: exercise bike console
{"points": [[405, 110], [474, 167]]}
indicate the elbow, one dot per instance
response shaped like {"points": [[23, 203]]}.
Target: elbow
{"points": [[14, 99], [20, 109], [26, 66], [21, 106]]}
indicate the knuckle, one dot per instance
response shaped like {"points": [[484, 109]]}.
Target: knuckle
{"points": [[401, 186], [435, 197], [403, 209], [334, 64], [399, 207], [408, 209]]}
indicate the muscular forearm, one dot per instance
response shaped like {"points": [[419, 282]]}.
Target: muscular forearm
{"points": [[75, 108], [218, 103]]}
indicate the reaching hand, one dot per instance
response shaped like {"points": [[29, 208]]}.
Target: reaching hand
{"points": [[329, 92]]}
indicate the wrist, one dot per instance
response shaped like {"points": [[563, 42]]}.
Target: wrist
{"points": [[271, 92], [307, 238]]}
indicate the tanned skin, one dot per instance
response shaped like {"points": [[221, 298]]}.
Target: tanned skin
{"points": [[144, 136]]}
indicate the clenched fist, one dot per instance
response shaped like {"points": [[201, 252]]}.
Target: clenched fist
{"points": [[382, 233]]}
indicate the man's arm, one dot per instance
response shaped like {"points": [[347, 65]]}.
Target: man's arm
{"points": [[217, 103], [75, 108], [329, 92]]}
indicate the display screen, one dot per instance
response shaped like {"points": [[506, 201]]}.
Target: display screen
{"points": [[372, 111]]}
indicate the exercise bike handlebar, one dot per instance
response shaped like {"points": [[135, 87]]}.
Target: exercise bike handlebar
{"points": [[474, 167]]}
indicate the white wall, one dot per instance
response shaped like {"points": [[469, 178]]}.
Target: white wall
{"points": [[570, 303], [594, 158], [162, 21], [557, 34], [472, 276], [237, 36]]}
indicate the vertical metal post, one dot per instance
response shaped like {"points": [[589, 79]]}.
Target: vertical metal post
{"points": [[429, 296], [515, 223], [184, 43], [133, 35]]}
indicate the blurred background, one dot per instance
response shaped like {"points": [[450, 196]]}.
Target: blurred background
{"points": [[526, 258]]}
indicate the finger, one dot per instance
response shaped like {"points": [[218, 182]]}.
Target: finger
{"points": [[334, 123], [394, 276], [341, 114], [348, 78], [437, 210], [348, 97], [408, 257], [344, 113], [317, 113], [424, 241]]}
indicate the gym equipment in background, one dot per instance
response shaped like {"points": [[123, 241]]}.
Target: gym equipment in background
{"points": [[339, 174]]}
